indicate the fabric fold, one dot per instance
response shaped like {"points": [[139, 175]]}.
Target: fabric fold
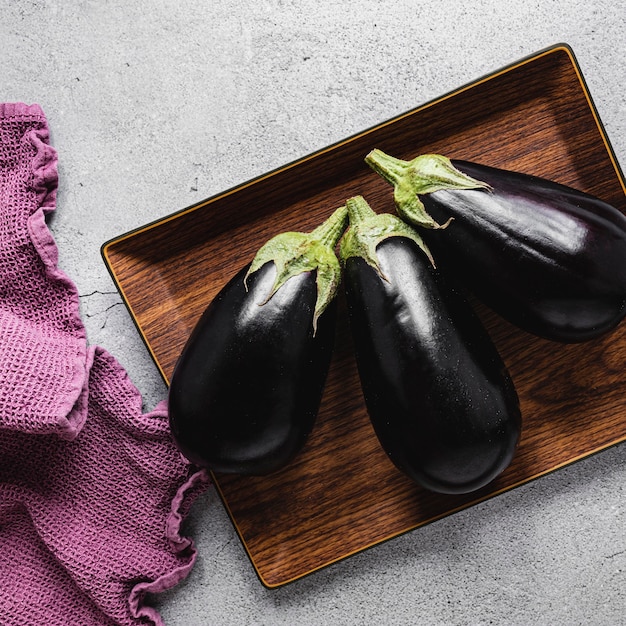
{"points": [[43, 347]]}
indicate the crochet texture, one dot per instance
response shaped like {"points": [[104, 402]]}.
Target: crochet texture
{"points": [[92, 491]]}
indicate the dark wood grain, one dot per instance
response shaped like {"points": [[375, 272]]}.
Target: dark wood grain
{"points": [[342, 494]]}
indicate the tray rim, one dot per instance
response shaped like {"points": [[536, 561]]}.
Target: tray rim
{"points": [[107, 245]]}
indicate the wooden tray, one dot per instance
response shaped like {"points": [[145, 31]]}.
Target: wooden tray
{"points": [[341, 494]]}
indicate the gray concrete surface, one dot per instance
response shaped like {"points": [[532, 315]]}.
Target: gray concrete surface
{"points": [[156, 105]]}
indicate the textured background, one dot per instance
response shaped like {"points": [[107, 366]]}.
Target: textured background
{"points": [[154, 106]]}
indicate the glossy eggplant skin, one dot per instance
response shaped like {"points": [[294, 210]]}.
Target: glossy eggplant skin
{"points": [[437, 392], [247, 387], [548, 258]]}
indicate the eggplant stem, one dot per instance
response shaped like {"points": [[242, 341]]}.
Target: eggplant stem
{"points": [[358, 209], [387, 166], [294, 253], [368, 229], [426, 173], [329, 232]]}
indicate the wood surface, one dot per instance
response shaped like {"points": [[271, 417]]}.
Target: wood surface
{"points": [[341, 494]]}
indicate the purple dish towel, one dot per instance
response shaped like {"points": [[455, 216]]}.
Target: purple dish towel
{"points": [[92, 491]]}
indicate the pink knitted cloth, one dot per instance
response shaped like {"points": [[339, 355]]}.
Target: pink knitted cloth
{"points": [[92, 491]]}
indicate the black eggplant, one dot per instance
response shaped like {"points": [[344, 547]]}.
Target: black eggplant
{"points": [[549, 258], [247, 386], [437, 392]]}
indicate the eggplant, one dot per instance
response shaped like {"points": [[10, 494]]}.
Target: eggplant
{"points": [[548, 258], [438, 394], [248, 383]]}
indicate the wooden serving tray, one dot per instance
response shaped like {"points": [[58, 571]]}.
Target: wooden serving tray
{"points": [[342, 494]]}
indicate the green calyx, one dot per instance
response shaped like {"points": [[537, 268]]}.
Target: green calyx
{"points": [[294, 253], [424, 174], [368, 229]]}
